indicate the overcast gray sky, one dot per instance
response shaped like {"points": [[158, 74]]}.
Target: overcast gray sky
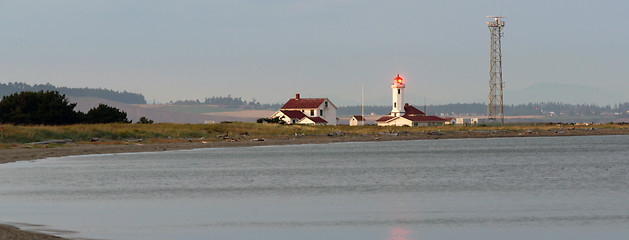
{"points": [[270, 50]]}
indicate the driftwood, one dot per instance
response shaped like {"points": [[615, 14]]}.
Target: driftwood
{"points": [[54, 141]]}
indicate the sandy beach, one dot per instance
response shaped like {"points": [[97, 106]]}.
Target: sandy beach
{"points": [[25, 152]]}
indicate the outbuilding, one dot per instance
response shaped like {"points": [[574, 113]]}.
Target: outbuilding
{"points": [[357, 120]]}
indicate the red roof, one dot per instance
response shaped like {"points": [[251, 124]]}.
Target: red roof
{"points": [[303, 103], [424, 118], [359, 117], [293, 114], [410, 110], [384, 118], [317, 119]]}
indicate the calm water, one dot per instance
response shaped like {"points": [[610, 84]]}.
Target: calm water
{"points": [[512, 188]]}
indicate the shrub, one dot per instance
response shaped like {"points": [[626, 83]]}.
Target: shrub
{"points": [[271, 120], [144, 120]]}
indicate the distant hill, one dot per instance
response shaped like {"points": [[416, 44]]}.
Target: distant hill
{"points": [[563, 93], [159, 113], [229, 102], [123, 97]]}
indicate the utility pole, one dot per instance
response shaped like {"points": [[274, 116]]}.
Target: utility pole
{"points": [[362, 101]]}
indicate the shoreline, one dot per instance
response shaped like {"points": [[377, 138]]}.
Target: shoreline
{"points": [[27, 152], [30, 152], [8, 231]]}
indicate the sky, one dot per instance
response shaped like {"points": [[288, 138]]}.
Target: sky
{"points": [[271, 50]]}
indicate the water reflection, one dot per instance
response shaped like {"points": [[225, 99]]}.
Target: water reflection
{"points": [[399, 233]]}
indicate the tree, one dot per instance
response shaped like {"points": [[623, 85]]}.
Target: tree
{"points": [[48, 108], [144, 120], [106, 114]]}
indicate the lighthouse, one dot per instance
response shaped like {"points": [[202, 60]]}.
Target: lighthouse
{"points": [[397, 88]]}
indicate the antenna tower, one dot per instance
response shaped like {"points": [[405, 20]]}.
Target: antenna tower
{"points": [[495, 107]]}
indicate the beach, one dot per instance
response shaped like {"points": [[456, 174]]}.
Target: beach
{"points": [[26, 152], [11, 232], [23, 152]]}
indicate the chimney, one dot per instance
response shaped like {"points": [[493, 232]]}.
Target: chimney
{"points": [[297, 96]]}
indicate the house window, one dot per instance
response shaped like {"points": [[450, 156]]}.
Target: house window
{"points": [[415, 124], [294, 121], [321, 113], [398, 91], [326, 104], [394, 104], [311, 112]]}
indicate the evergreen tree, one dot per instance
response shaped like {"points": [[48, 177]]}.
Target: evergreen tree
{"points": [[28, 108], [106, 114]]}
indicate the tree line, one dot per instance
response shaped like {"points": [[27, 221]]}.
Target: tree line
{"points": [[124, 96], [452, 109], [480, 109], [458, 109], [229, 102], [53, 108]]}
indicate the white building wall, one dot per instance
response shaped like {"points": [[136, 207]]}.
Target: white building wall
{"points": [[329, 113], [403, 122], [398, 122], [354, 122], [309, 122], [305, 121]]}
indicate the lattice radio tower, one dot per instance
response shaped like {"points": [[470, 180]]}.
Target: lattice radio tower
{"points": [[495, 107]]}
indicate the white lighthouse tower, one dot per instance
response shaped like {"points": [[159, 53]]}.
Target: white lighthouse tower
{"points": [[398, 96]]}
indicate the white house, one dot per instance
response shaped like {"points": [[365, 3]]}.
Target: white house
{"points": [[357, 120], [318, 111]]}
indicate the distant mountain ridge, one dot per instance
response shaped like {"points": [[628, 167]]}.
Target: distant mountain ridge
{"points": [[563, 93], [123, 97]]}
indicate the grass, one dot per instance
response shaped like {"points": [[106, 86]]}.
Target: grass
{"points": [[12, 134]]}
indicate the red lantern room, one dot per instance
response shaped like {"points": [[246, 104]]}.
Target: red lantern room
{"points": [[398, 79]]}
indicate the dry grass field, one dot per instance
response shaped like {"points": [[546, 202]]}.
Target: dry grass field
{"points": [[11, 134]]}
